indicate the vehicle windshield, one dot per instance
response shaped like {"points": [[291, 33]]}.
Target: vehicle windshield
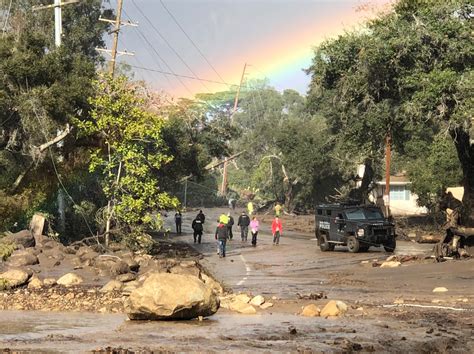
{"points": [[363, 214]]}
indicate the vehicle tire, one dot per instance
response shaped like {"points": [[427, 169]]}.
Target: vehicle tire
{"points": [[353, 244], [390, 245], [324, 245]]}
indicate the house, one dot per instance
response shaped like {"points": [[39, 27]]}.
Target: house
{"points": [[402, 200]]}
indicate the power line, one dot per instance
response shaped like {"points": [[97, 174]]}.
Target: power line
{"points": [[164, 61], [190, 39], [183, 76], [143, 38], [167, 43]]}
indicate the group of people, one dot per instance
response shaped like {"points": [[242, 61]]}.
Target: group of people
{"points": [[247, 221]]}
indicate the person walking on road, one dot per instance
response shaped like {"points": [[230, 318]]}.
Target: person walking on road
{"points": [[278, 208], [243, 223], [201, 216], [230, 223], [221, 237], [178, 218], [197, 227], [254, 225], [250, 208], [276, 230]]}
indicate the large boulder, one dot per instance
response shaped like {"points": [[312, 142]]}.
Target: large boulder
{"points": [[22, 258], [165, 296], [13, 278], [21, 238]]}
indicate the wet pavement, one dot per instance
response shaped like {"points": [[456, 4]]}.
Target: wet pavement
{"points": [[295, 266]]}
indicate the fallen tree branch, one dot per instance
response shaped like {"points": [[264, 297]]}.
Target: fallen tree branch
{"points": [[56, 140], [427, 306]]}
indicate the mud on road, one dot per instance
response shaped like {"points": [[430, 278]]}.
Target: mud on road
{"points": [[390, 309]]}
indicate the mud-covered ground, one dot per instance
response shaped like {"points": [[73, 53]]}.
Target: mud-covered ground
{"points": [[390, 309]]}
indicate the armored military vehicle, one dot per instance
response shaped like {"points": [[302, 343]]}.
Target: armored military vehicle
{"points": [[353, 225]]}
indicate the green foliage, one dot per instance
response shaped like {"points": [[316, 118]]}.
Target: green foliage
{"points": [[407, 74], [133, 151], [6, 250], [43, 88], [433, 172], [3, 284]]}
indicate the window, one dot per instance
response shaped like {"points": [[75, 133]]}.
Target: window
{"points": [[356, 214], [320, 212], [399, 193], [328, 212]]}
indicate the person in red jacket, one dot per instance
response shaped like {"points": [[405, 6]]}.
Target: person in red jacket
{"points": [[276, 230]]}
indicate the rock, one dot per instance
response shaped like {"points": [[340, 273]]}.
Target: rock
{"points": [[225, 301], [54, 253], [188, 264], [35, 283], [399, 301], [111, 265], [242, 298], [311, 310], [178, 269], [124, 278], [364, 262], [132, 263], [390, 264], [49, 281], [266, 305], [391, 258], [38, 226], [22, 258], [440, 289], [242, 307], [113, 285], [70, 279], [130, 286], [215, 286], [333, 308], [13, 278], [257, 300], [21, 238], [166, 296]]}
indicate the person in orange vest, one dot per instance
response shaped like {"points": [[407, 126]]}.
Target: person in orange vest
{"points": [[276, 230]]}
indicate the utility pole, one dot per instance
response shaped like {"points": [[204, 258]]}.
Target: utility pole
{"points": [[388, 155], [236, 102], [117, 25], [113, 53], [58, 20]]}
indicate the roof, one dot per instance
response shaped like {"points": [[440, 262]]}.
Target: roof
{"points": [[396, 180]]}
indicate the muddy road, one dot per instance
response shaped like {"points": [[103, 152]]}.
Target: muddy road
{"points": [[390, 309]]}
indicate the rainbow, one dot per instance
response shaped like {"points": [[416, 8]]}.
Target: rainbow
{"points": [[279, 59]]}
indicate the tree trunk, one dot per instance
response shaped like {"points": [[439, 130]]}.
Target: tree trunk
{"points": [[465, 151], [360, 194]]}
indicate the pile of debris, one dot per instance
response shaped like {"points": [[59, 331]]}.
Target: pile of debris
{"points": [[458, 242]]}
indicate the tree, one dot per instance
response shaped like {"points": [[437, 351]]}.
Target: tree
{"points": [[407, 74], [42, 89], [131, 154]]}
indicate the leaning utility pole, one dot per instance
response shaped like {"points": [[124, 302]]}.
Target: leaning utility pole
{"points": [[58, 20], [118, 18], [117, 25], [113, 53], [236, 102]]}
